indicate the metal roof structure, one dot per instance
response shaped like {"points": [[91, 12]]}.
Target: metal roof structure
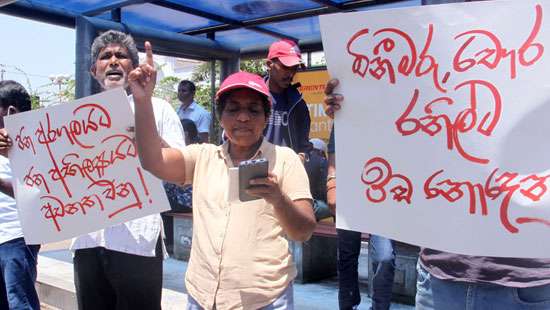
{"points": [[224, 30], [246, 25]]}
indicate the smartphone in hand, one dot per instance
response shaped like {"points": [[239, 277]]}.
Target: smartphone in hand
{"points": [[251, 169]]}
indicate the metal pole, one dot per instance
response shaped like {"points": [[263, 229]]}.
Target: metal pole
{"points": [[85, 34], [169, 43], [229, 66], [213, 102], [213, 137], [427, 2]]}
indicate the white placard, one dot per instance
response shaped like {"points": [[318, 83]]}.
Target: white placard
{"points": [[443, 138], [76, 168]]}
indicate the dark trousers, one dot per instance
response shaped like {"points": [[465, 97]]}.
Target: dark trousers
{"points": [[382, 259], [18, 267], [106, 279], [349, 247]]}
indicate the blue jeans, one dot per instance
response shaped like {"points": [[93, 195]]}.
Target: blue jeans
{"points": [[18, 266], [382, 258], [437, 294], [320, 210], [382, 263], [283, 302]]}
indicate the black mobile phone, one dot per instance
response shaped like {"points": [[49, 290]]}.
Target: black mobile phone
{"points": [[251, 169]]}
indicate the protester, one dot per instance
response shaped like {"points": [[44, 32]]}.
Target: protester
{"points": [[289, 120], [120, 267], [191, 131], [190, 109], [180, 197], [17, 258], [381, 254], [316, 167], [448, 281], [319, 147], [240, 258]]}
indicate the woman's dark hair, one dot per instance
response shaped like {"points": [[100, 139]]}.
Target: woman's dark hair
{"points": [[221, 103], [191, 132]]}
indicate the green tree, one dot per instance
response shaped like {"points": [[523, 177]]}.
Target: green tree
{"points": [[68, 90], [51, 93], [201, 78], [167, 89], [254, 66]]}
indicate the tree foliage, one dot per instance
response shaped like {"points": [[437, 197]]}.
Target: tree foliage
{"points": [[167, 89]]}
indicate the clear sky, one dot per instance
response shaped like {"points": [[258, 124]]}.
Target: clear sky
{"points": [[38, 49]]}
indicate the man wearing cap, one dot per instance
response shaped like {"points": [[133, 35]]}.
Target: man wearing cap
{"points": [[289, 121], [240, 256], [316, 167]]}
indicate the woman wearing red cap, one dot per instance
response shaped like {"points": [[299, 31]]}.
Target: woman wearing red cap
{"points": [[240, 258]]}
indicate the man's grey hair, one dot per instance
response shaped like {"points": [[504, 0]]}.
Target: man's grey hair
{"points": [[115, 37]]}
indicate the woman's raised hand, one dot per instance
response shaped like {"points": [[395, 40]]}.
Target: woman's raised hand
{"points": [[143, 78]]}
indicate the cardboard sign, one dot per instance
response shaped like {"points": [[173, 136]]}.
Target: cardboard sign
{"points": [[442, 139], [76, 168], [312, 87]]}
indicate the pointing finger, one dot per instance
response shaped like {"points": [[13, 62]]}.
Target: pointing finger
{"points": [[149, 54]]}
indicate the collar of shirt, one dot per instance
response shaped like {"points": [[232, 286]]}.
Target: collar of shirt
{"points": [[223, 151], [191, 107]]}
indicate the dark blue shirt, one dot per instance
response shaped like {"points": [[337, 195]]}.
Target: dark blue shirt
{"points": [[277, 125]]}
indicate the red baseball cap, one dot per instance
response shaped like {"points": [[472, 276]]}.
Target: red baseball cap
{"points": [[244, 79], [287, 52]]}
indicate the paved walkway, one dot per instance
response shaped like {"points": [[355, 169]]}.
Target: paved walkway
{"points": [[55, 282]]}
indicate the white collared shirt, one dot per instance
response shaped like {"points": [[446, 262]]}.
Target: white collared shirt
{"points": [[10, 227], [198, 115], [138, 236]]}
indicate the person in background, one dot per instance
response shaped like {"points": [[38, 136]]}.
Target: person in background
{"points": [[181, 197], [240, 255], [190, 109], [289, 120], [191, 132], [448, 281], [17, 258], [120, 267], [319, 147], [380, 252], [316, 167]]}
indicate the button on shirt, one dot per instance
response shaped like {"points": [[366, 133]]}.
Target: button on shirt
{"points": [[138, 236], [10, 227], [240, 258], [198, 115]]}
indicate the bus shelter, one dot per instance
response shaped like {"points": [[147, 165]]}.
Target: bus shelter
{"points": [[207, 30]]}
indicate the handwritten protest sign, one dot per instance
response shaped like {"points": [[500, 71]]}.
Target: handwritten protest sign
{"points": [[443, 137], [76, 169]]}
